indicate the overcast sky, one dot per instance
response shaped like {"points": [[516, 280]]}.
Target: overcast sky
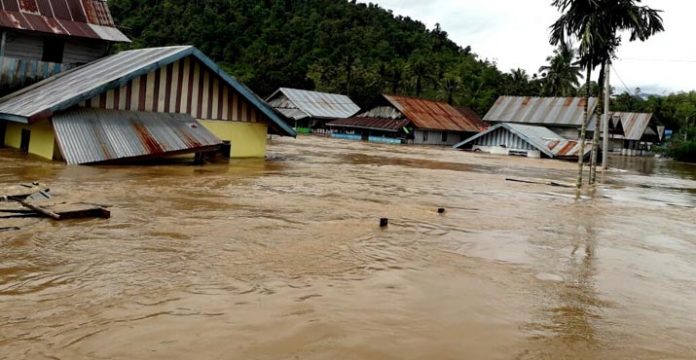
{"points": [[514, 33]]}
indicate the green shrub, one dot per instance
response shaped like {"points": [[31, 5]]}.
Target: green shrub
{"points": [[683, 145]]}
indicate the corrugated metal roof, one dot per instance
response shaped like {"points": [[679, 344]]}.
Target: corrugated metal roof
{"points": [[294, 114], [67, 89], [88, 136], [314, 104], [539, 110], [542, 138], [433, 115], [473, 117], [634, 124], [79, 18], [383, 124], [629, 126], [382, 112]]}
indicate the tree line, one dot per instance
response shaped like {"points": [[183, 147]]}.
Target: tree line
{"points": [[361, 50], [338, 46]]}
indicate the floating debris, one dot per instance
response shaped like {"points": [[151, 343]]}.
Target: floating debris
{"points": [[23, 191], [32, 198], [541, 182]]}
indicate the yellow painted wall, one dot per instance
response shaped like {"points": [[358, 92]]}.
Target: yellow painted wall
{"points": [[41, 141], [13, 134], [248, 139]]}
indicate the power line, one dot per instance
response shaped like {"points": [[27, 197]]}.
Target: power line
{"points": [[620, 79], [660, 60]]}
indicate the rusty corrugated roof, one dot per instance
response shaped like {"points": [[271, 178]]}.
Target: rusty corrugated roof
{"points": [[549, 111], [369, 123], [89, 135], [634, 124], [78, 18], [432, 115]]}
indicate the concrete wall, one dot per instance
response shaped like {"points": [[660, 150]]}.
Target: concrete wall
{"points": [[435, 137], [248, 139], [41, 142]]}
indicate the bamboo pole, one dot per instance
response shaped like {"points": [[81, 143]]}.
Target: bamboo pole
{"points": [[583, 128], [605, 118]]}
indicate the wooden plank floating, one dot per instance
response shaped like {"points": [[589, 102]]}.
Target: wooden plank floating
{"points": [[541, 182], [30, 197], [79, 211], [44, 212], [63, 211]]}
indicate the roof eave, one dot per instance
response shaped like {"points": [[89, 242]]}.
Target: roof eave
{"points": [[482, 133], [119, 82], [248, 94], [14, 118]]}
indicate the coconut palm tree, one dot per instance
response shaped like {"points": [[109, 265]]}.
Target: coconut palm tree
{"points": [[562, 74], [448, 86], [597, 25]]}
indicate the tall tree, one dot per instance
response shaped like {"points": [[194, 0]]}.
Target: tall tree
{"points": [[562, 73], [596, 24], [421, 71]]}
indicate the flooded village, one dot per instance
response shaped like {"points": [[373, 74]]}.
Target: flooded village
{"points": [[155, 206]]}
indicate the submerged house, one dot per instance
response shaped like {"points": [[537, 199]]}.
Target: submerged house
{"points": [[309, 111], [562, 115], [633, 134], [524, 140], [400, 119], [40, 38], [138, 104]]}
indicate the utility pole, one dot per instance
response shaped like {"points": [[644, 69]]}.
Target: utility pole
{"points": [[605, 119]]}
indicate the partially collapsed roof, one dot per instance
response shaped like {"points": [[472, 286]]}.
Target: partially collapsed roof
{"points": [[540, 138], [434, 115], [548, 111], [299, 104], [78, 18], [89, 136], [62, 91]]}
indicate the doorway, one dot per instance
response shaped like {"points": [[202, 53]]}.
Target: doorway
{"points": [[3, 130], [24, 143]]}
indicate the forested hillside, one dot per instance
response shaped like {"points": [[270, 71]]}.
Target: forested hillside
{"points": [[330, 45]]}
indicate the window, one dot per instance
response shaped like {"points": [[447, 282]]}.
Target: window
{"points": [[425, 136], [53, 50], [444, 136]]}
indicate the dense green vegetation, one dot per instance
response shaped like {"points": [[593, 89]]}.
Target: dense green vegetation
{"points": [[330, 45], [683, 146], [674, 111]]}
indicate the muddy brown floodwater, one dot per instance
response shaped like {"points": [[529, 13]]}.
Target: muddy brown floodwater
{"points": [[284, 259]]}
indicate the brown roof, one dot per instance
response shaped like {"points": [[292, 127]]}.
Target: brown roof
{"points": [[433, 115], [392, 125], [472, 116], [79, 18]]}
